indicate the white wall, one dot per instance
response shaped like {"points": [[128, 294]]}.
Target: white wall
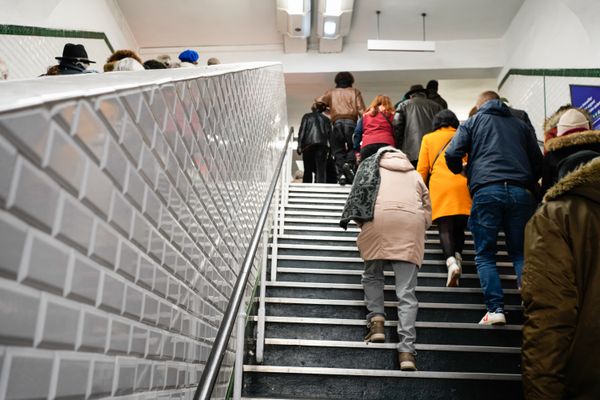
{"points": [[30, 56], [554, 34], [89, 15], [488, 53]]}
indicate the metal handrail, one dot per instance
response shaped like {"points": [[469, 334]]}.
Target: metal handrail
{"points": [[211, 370]]}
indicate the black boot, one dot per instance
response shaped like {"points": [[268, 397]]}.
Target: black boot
{"points": [[348, 172]]}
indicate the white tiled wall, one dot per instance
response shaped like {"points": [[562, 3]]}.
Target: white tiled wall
{"points": [[124, 219], [540, 96], [30, 56]]}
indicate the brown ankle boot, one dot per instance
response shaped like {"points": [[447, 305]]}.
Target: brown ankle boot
{"points": [[376, 328], [407, 362]]}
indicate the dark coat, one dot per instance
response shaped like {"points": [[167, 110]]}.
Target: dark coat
{"points": [[435, 96], [500, 147], [561, 147], [68, 68], [561, 291], [413, 119], [315, 128]]}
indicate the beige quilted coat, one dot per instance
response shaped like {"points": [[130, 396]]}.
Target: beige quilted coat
{"points": [[402, 214]]}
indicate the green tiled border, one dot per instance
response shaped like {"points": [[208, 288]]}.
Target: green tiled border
{"points": [[48, 32], [579, 73]]}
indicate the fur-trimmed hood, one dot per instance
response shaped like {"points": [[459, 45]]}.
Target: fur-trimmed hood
{"points": [[586, 175], [573, 139]]}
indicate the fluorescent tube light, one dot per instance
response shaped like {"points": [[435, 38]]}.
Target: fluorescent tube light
{"points": [[401, 45]]}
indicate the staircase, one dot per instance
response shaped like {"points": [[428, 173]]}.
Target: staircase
{"points": [[316, 320]]}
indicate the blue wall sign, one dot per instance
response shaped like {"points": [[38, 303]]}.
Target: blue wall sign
{"points": [[587, 97]]}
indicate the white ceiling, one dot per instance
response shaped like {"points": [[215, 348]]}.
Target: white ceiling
{"points": [[159, 24], [446, 19], [180, 23]]}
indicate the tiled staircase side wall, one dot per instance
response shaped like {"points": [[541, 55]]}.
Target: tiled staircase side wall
{"points": [[30, 56], [541, 96], [124, 219]]}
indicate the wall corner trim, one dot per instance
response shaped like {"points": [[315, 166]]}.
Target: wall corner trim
{"points": [[564, 72], [23, 30]]}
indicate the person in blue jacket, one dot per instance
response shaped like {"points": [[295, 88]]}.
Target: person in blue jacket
{"points": [[505, 163]]}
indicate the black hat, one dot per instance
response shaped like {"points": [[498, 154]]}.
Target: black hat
{"points": [[75, 52], [415, 89]]}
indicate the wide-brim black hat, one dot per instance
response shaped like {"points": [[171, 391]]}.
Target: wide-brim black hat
{"points": [[75, 52], [415, 89]]}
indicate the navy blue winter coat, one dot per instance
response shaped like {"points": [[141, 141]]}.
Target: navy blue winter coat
{"points": [[500, 148]]}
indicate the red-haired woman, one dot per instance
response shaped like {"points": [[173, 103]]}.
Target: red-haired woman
{"points": [[375, 129]]}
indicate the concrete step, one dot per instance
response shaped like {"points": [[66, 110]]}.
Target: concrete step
{"points": [[346, 291], [384, 356], [355, 309], [429, 265], [374, 384], [343, 275], [346, 241], [453, 333]]}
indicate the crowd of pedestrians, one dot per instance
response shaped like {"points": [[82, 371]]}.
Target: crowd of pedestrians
{"points": [[489, 174], [75, 60]]}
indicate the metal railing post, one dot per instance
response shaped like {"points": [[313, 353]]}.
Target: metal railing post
{"points": [[260, 329], [239, 356]]}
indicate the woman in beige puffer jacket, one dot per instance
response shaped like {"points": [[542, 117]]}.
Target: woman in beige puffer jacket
{"points": [[395, 239]]}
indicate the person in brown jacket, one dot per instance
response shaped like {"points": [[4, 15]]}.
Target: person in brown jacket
{"points": [[390, 202], [345, 104], [561, 287]]}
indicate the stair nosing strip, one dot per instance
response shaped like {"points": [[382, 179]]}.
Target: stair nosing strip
{"points": [[345, 271], [362, 322], [358, 286], [382, 373], [361, 303], [366, 345]]}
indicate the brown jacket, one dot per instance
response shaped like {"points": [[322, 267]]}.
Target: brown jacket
{"points": [[561, 291], [401, 216], [343, 103]]}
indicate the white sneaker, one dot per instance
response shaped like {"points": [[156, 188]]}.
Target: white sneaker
{"points": [[493, 318], [458, 257], [454, 271]]}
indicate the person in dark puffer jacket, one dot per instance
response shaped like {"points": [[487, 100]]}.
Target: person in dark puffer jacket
{"points": [[504, 164], [313, 144]]}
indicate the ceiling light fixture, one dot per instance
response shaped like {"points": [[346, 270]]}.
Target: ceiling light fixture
{"points": [[401, 45], [329, 28], [333, 23]]}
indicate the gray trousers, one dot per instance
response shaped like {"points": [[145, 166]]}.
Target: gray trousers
{"points": [[405, 274]]}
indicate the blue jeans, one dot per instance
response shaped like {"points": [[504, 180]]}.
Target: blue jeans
{"points": [[498, 207]]}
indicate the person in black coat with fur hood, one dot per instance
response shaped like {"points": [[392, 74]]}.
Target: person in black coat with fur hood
{"points": [[573, 134]]}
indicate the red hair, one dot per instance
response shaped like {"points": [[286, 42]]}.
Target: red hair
{"points": [[380, 103]]}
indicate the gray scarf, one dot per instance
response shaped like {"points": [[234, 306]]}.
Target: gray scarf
{"points": [[360, 204]]}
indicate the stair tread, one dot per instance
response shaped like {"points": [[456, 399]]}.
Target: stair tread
{"points": [[330, 302], [345, 271], [382, 373], [362, 322], [324, 238], [358, 286], [290, 257], [365, 345]]}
